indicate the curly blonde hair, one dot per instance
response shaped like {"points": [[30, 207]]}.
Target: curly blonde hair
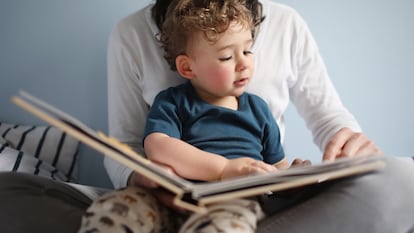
{"points": [[184, 18]]}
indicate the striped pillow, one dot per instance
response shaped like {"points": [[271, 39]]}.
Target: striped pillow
{"points": [[40, 150]]}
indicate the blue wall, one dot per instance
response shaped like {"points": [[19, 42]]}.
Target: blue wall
{"points": [[56, 50]]}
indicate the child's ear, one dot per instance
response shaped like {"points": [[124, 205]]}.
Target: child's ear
{"points": [[182, 62]]}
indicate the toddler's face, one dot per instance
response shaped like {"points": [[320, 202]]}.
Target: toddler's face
{"points": [[225, 67]]}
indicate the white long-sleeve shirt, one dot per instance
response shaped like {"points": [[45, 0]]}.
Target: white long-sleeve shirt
{"points": [[288, 67]]}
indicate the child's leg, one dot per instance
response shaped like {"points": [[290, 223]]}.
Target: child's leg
{"points": [[126, 210], [239, 216]]}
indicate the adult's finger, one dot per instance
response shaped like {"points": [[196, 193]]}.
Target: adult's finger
{"points": [[166, 198], [363, 146], [139, 180], [334, 146], [355, 145]]}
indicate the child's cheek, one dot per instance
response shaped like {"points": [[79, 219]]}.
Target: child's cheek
{"points": [[219, 75]]}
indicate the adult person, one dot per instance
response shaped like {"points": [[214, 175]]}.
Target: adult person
{"points": [[288, 68]]}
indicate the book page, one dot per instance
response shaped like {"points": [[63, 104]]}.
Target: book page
{"points": [[288, 175], [102, 143]]}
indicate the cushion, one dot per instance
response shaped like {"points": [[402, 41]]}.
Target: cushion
{"points": [[39, 150]]}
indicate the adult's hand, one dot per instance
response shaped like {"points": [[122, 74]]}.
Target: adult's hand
{"points": [[163, 195], [136, 179], [347, 143]]}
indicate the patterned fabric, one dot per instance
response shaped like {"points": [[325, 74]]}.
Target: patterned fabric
{"points": [[235, 216], [127, 210], [134, 210], [39, 150]]}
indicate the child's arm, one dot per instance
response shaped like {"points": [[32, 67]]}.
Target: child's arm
{"points": [[192, 163]]}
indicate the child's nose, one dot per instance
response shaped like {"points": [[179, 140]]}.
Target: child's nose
{"points": [[242, 64]]}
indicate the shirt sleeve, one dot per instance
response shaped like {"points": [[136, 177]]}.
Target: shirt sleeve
{"points": [[163, 116], [127, 109], [313, 93], [271, 140]]}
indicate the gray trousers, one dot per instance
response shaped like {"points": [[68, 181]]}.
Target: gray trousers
{"points": [[31, 203], [377, 202], [381, 202]]}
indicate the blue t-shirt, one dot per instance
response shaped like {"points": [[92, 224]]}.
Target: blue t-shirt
{"points": [[250, 131]]}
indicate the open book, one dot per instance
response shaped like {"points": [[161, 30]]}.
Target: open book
{"points": [[197, 196]]}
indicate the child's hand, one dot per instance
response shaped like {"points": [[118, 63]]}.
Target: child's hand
{"points": [[244, 166]]}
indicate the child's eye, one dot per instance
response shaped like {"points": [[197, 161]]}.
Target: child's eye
{"points": [[225, 58], [247, 52]]}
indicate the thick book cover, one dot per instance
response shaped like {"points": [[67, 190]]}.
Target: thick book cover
{"points": [[197, 196]]}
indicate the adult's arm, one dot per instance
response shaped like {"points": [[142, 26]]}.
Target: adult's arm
{"points": [[126, 107], [313, 93], [334, 128]]}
